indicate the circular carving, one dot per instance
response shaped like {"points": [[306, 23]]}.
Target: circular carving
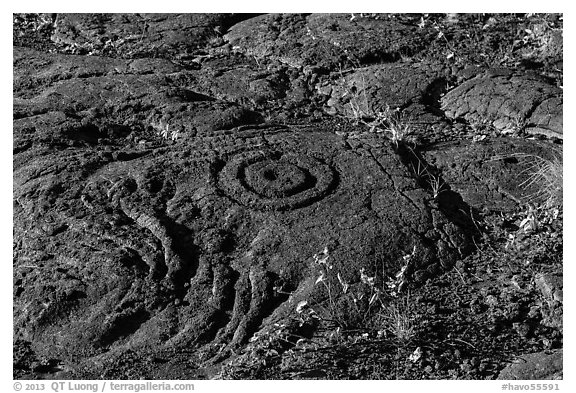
{"points": [[276, 181]]}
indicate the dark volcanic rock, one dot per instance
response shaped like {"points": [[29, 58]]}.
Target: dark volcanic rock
{"points": [[325, 40], [497, 175], [551, 289], [373, 89], [541, 365], [508, 101], [140, 35], [109, 95], [240, 81], [34, 70], [177, 246], [231, 195]]}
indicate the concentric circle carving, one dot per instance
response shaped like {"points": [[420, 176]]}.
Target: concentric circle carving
{"points": [[276, 181]]}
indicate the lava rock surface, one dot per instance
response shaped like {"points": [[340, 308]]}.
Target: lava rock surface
{"points": [[199, 195]]}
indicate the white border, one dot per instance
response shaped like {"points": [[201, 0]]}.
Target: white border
{"points": [[297, 6]]}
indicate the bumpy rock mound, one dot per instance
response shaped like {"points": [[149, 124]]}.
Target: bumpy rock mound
{"points": [[140, 35], [185, 245], [541, 365], [367, 91], [508, 101], [551, 288], [325, 40], [497, 175], [86, 100]]}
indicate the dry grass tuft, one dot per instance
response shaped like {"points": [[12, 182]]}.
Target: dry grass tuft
{"points": [[398, 320], [546, 176]]}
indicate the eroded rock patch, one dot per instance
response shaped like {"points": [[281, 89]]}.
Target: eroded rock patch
{"points": [[140, 35], [498, 175], [325, 40], [368, 91], [508, 101], [198, 246]]}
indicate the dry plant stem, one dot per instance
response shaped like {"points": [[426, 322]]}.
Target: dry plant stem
{"points": [[547, 176], [437, 186], [399, 322]]}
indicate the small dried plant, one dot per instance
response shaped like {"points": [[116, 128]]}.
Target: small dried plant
{"points": [[392, 123], [350, 306], [387, 121], [397, 284], [546, 176], [356, 306], [419, 170], [321, 259], [162, 128], [397, 320], [437, 185], [427, 176]]}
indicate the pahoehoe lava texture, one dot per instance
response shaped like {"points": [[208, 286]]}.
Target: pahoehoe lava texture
{"points": [[140, 35], [372, 89], [176, 178], [325, 39], [190, 253], [495, 176], [506, 100]]}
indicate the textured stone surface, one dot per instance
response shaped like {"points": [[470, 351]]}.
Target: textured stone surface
{"points": [[507, 101], [367, 91], [140, 35], [496, 175], [112, 98], [175, 177], [551, 289], [242, 81], [180, 245], [325, 39], [542, 365]]}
